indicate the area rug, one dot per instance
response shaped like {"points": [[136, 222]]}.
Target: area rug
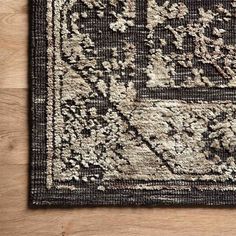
{"points": [[133, 102]]}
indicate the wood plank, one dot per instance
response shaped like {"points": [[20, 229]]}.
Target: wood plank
{"points": [[13, 50], [13, 126], [13, 6]]}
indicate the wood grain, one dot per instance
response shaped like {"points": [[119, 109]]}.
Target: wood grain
{"points": [[17, 219]]}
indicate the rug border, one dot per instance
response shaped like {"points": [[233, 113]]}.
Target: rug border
{"points": [[39, 195]]}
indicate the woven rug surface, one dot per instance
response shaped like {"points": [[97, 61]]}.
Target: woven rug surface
{"points": [[133, 102]]}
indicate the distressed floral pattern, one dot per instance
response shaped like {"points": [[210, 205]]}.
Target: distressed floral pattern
{"points": [[115, 106]]}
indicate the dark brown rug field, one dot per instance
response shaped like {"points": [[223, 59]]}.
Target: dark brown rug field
{"points": [[133, 102]]}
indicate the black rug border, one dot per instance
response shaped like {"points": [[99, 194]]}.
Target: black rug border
{"points": [[39, 196]]}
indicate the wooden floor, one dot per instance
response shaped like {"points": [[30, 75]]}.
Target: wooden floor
{"points": [[17, 219]]}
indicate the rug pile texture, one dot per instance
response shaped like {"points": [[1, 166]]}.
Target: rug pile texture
{"points": [[133, 102]]}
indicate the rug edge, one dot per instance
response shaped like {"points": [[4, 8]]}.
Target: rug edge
{"points": [[39, 196]]}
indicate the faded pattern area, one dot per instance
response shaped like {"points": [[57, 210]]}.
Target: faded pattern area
{"points": [[112, 111]]}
